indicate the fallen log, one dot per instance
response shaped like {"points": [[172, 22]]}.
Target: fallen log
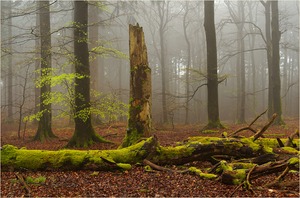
{"points": [[237, 151], [13, 158], [196, 149]]}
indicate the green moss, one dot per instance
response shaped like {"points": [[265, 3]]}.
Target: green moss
{"points": [[209, 131], [223, 167], [237, 176], [294, 160], [124, 166], [148, 168], [201, 174], [37, 180], [249, 141], [71, 159], [290, 150], [241, 165], [175, 152]]}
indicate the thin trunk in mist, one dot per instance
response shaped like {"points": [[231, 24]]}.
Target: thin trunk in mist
{"points": [[44, 130], [276, 63], [37, 62], [162, 26], [187, 76], [239, 20], [6, 59], [212, 67], [267, 6], [252, 45], [285, 78]]}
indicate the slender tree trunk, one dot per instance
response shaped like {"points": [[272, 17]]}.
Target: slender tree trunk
{"points": [[139, 123], [44, 126], [269, 57], [162, 25], [187, 74], [276, 63], [6, 59], [253, 64], [84, 134], [37, 63], [212, 67]]}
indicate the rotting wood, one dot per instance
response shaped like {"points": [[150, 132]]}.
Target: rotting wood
{"points": [[234, 170], [140, 121]]}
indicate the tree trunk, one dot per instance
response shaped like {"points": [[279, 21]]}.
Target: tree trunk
{"points": [[269, 57], [6, 58], [212, 67], [84, 134], [164, 73], [187, 76], [93, 38], [139, 123], [276, 63], [44, 126], [37, 62]]}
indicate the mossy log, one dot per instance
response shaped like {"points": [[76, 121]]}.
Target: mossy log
{"points": [[13, 158], [243, 154]]}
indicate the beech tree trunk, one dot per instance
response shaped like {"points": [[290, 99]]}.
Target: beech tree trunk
{"points": [[139, 123], [84, 134], [44, 126], [212, 67], [276, 63]]}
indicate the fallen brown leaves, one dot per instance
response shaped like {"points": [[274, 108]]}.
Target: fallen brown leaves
{"points": [[134, 183], [137, 182]]}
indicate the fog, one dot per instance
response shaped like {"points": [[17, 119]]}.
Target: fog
{"points": [[176, 45]]}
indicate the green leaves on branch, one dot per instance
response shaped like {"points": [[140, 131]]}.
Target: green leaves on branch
{"points": [[104, 106]]}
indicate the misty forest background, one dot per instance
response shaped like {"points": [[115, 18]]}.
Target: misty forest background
{"points": [[176, 46]]}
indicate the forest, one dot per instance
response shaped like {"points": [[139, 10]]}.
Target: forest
{"points": [[156, 98]]}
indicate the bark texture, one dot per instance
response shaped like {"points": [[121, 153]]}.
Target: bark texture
{"points": [[84, 134], [140, 122], [44, 126], [212, 67]]}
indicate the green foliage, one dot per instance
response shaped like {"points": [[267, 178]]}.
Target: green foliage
{"points": [[107, 106], [105, 50], [37, 180], [104, 106]]}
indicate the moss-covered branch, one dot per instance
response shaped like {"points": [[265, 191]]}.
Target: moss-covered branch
{"points": [[239, 157]]}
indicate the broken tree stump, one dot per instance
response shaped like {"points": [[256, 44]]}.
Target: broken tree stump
{"points": [[139, 123]]}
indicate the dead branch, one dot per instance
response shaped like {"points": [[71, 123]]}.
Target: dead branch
{"points": [[249, 126], [156, 167], [289, 142], [279, 178], [260, 132], [20, 177]]}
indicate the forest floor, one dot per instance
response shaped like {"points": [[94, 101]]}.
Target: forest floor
{"points": [[137, 182]]}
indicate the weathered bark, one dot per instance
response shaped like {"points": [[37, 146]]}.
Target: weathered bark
{"points": [[140, 122], [84, 134], [212, 67], [44, 126]]}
